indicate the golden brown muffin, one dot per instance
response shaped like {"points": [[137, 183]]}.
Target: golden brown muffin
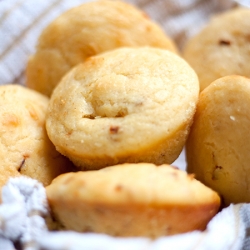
{"points": [[25, 147], [126, 105], [87, 30], [132, 200], [221, 48], [219, 143]]}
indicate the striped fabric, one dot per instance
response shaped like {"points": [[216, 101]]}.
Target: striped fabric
{"points": [[21, 22]]}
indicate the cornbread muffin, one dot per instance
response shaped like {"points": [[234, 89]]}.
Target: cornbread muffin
{"points": [[219, 142], [25, 147], [126, 105], [221, 48], [132, 200], [87, 30]]}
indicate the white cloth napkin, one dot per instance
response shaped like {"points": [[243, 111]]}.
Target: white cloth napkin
{"points": [[22, 224], [25, 205]]}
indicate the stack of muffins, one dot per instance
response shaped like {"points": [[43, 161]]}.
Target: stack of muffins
{"points": [[110, 103]]}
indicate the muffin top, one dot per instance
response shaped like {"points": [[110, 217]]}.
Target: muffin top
{"points": [[121, 102], [218, 145], [87, 30], [222, 48], [25, 147], [136, 184]]}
